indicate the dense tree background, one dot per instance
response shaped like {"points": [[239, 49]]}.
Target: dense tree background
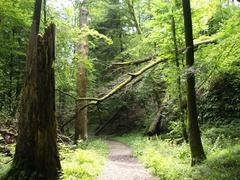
{"points": [[124, 37]]}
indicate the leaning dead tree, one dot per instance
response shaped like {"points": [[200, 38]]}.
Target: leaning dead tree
{"points": [[36, 154], [131, 77]]}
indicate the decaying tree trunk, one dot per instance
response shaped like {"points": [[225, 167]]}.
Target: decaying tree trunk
{"points": [[36, 154], [48, 159], [81, 116], [156, 124]]}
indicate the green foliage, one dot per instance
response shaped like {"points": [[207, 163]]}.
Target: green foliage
{"points": [[112, 37], [5, 161], [84, 161], [5, 164], [220, 165], [222, 98], [169, 159], [15, 20]]}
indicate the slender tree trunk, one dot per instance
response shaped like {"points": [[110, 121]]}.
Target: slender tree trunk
{"points": [[36, 154], [61, 111], [45, 12], [131, 9], [196, 147], [81, 118], [181, 110]]}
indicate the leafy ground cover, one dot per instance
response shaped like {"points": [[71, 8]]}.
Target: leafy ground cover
{"points": [[84, 161], [169, 159]]}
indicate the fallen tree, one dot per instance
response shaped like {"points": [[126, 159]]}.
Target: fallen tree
{"points": [[127, 81], [131, 77]]}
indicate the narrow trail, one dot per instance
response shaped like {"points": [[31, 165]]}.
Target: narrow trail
{"points": [[122, 165]]}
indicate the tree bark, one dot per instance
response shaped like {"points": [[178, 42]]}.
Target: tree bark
{"points": [[81, 116], [155, 126], [36, 154], [179, 84], [61, 111], [130, 4], [197, 152]]}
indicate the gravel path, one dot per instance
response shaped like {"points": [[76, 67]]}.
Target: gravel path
{"points": [[121, 165]]}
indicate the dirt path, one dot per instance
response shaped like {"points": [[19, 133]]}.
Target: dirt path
{"points": [[121, 165]]}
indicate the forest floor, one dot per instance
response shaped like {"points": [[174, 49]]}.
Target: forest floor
{"points": [[122, 165]]}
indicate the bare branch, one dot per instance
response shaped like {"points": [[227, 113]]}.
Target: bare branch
{"points": [[67, 94]]}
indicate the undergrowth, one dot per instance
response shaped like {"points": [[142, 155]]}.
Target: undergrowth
{"points": [[5, 164], [84, 161], [169, 159], [6, 160]]}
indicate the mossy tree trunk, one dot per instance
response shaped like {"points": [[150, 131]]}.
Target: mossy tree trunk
{"points": [[196, 147], [36, 155], [81, 118]]}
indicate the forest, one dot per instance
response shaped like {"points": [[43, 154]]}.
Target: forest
{"points": [[119, 89]]}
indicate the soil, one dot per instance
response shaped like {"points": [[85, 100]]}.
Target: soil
{"points": [[122, 165]]}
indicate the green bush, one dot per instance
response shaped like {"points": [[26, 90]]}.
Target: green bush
{"points": [[168, 159]]}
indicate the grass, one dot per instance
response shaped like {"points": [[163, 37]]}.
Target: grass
{"points": [[167, 159], [82, 162]]}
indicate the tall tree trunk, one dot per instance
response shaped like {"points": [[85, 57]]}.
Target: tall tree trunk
{"points": [[181, 110], [130, 4], [36, 154], [81, 118], [196, 147]]}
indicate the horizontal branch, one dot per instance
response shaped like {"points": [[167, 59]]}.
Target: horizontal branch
{"points": [[151, 57], [196, 45], [210, 41], [66, 94], [136, 62]]}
